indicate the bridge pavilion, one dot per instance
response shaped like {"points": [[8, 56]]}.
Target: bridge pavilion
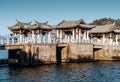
{"points": [[106, 34], [74, 31], [64, 32], [27, 29], [20, 28]]}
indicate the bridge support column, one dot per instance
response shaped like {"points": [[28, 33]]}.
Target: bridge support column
{"points": [[116, 39], [73, 35], [60, 35], [20, 37], [79, 35], [103, 39], [87, 35], [84, 35], [33, 37], [8, 42], [57, 33]]}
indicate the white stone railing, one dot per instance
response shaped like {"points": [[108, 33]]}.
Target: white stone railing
{"points": [[26, 41], [39, 41], [106, 42], [54, 41]]}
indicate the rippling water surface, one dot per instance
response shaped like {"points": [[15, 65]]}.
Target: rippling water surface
{"points": [[3, 54], [106, 71]]}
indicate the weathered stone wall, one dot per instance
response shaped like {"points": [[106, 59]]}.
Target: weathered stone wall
{"points": [[73, 52], [50, 53], [80, 52], [107, 53], [34, 54], [46, 53], [42, 54]]}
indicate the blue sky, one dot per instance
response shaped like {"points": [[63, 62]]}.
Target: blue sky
{"points": [[55, 11]]}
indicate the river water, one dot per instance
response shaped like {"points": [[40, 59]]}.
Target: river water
{"points": [[3, 54], [104, 71]]}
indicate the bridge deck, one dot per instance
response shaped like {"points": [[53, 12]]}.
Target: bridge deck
{"points": [[97, 46], [8, 47]]}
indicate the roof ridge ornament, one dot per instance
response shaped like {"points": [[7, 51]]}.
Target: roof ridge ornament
{"points": [[82, 20], [40, 22], [17, 21], [46, 22], [61, 22], [114, 23], [36, 21]]}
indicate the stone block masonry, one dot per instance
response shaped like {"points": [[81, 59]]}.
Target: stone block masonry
{"points": [[42, 54], [80, 52], [62, 53], [107, 53], [46, 53], [52, 53], [34, 54]]}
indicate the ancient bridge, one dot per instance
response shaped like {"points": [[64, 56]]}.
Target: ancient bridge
{"points": [[55, 52]]}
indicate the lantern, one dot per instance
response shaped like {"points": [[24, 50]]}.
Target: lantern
{"points": [[76, 33], [37, 33], [89, 32], [21, 33], [52, 33], [29, 32]]}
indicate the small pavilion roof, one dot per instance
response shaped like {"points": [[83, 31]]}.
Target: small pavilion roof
{"points": [[103, 29], [22, 23], [70, 24], [117, 31], [39, 25], [14, 28], [20, 26], [87, 26]]}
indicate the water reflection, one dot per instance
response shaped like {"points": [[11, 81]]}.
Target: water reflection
{"points": [[73, 72]]}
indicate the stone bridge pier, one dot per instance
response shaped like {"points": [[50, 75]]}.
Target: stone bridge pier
{"points": [[107, 53], [52, 53], [34, 54]]}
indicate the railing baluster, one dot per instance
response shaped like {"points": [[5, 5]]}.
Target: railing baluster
{"points": [[56, 40]]}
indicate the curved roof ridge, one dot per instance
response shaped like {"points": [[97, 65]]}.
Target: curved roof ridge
{"points": [[70, 24], [103, 28], [41, 22], [18, 22]]}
